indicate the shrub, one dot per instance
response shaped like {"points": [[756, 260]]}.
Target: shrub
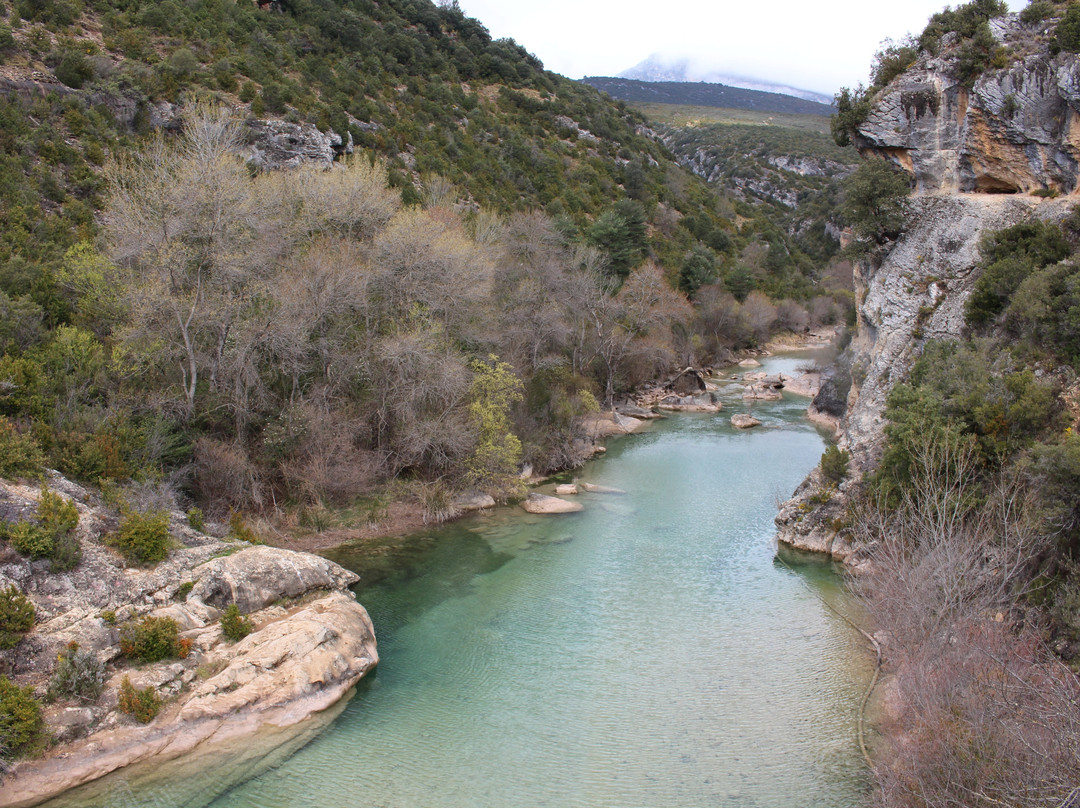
{"points": [[1036, 11], [184, 590], [16, 616], [143, 704], [20, 455], [78, 674], [874, 197], [1068, 30], [22, 729], [196, 520], [834, 463], [142, 538], [29, 539], [238, 529], [153, 639], [234, 626], [74, 70], [51, 536]]}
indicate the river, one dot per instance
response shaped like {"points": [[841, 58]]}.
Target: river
{"points": [[648, 651]]}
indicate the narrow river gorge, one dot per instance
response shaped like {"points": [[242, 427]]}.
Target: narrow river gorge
{"points": [[647, 651]]}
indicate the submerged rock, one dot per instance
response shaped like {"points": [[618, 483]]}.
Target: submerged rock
{"points": [[592, 488], [545, 505], [566, 489]]}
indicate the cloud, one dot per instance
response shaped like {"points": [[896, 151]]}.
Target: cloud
{"points": [[820, 46]]}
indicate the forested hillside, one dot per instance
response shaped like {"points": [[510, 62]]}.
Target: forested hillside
{"points": [[504, 251], [700, 93]]}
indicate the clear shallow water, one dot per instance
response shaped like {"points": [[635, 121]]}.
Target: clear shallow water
{"points": [[648, 651]]}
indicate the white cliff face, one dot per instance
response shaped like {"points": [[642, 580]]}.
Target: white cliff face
{"points": [[1015, 131], [918, 293]]}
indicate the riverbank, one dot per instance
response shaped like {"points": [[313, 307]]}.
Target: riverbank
{"points": [[310, 642]]}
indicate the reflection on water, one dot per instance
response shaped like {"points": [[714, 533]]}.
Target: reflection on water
{"points": [[646, 651]]}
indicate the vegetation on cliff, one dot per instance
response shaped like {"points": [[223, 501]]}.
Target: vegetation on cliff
{"points": [[969, 521]]}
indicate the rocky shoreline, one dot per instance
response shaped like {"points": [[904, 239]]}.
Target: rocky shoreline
{"points": [[311, 643]]}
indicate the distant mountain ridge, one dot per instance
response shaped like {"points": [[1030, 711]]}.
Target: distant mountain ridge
{"points": [[658, 69], [704, 94]]}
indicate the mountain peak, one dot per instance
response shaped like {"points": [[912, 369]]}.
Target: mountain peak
{"points": [[662, 68]]}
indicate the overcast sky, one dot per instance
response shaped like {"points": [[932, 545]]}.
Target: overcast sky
{"points": [[820, 45]]}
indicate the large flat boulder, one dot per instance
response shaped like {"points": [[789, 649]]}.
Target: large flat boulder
{"points": [[544, 504]]}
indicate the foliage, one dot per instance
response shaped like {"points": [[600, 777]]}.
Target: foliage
{"points": [[78, 674], [834, 463], [141, 703], [20, 455], [153, 639], [51, 535], [234, 626], [183, 590], [853, 107], [966, 20], [873, 203], [142, 538], [1036, 11], [22, 728], [16, 616], [238, 529], [1067, 33], [1009, 257], [494, 391], [196, 519], [892, 60]]}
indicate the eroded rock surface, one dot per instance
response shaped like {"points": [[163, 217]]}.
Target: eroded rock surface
{"points": [[312, 642], [1015, 130]]}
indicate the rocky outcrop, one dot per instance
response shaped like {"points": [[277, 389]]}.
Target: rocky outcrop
{"points": [[1015, 130], [312, 642], [915, 293], [277, 144]]}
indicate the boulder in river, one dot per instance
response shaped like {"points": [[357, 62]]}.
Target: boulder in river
{"points": [[592, 488], [545, 505], [744, 420], [566, 489]]}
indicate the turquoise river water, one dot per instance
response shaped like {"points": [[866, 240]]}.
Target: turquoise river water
{"points": [[648, 651]]}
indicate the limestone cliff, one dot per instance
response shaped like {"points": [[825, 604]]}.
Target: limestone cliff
{"points": [[1016, 129], [971, 153], [312, 642]]}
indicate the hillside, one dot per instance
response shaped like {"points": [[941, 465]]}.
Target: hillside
{"points": [[484, 239], [704, 94], [953, 493]]}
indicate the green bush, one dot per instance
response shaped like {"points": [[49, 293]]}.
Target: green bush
{"points": [[196, 520], [234, 626], [183, 590], [16, 616], [1067, 34], [74, 70], [20, 455], [153, 639], [142, 538], [874, 202], [22, 729], [1008, 257], [51, 536], [1037, 11], [143, 704], [834, 463], [28, 538], [78, 674]]}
